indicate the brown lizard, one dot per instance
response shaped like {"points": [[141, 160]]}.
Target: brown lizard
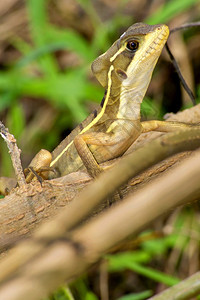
{"points": [[125, 71]]}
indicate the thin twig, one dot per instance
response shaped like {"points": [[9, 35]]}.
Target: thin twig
{"points": [[182, 80], [185, 26], [14, 152]]}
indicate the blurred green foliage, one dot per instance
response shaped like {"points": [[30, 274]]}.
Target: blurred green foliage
{"points": [[170, 9]]}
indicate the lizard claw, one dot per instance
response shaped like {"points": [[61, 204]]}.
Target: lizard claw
{"points": [[39, 174]]}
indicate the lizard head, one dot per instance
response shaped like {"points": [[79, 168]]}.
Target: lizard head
{"points": [[132, 56]]}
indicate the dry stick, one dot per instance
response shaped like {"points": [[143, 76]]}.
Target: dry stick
{"points": [[13, 227], [185, 26], [110, 181], [182, 80], [157, 197], [67, 258], [14, 152], [90, 198], [186, 289], [64, 189]]}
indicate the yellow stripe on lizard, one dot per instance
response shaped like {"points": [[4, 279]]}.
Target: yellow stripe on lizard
{"points": [[95, 119]]}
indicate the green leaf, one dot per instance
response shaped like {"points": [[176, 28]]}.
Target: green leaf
{"points": [[170, 9], [130, 261], [137, 296], [90, 296], [87, 5], [22, 46], [153, 274], [155, 247], [7, 98], [72, 41], [63, 293], [16, 120], [39, 52], [120, 261], [37, 13], [39, 28]]}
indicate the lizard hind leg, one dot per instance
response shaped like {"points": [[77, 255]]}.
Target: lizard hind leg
{"points": [[98, 147], [39, 167]]}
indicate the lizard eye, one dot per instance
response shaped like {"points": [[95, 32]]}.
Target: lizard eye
{"points": [[132, 45]]}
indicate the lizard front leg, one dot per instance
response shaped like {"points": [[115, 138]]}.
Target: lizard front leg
{"points": [[81, 143], [164, 126], [97, 147]]}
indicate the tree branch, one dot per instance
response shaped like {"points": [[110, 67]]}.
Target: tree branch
{"points": [[39, 265], [14, 154], [63, 247], [36, 203]]}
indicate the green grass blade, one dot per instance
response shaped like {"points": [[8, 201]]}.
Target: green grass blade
{"points": [[153, 274], [39, 27], [16, 120], [169, 10], [73, 42], [39, 52], [137, 296], [133, 260], [118, 262]]}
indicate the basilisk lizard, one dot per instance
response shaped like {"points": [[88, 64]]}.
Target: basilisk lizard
{"points": [[125, 71]]}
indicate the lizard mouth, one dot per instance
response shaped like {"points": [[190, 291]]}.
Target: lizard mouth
{"points": [[157, 44]]}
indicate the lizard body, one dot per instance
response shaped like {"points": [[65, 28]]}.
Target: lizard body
{"points": [[125, 71]]}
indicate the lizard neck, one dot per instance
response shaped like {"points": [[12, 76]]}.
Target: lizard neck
{"points": [[129, 104], [131, 98], [124, 101]]}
